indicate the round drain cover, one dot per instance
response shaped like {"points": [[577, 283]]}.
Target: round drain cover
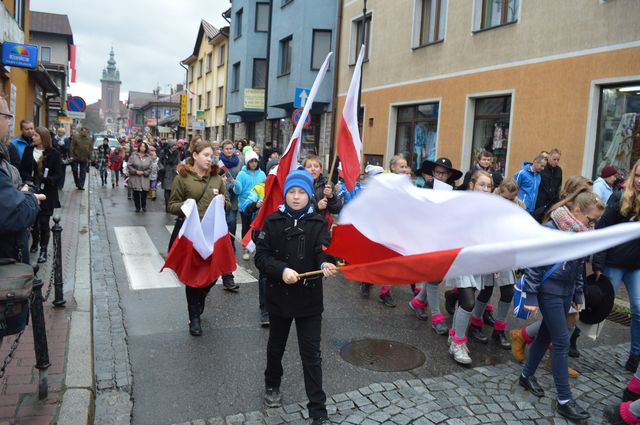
{"points": [[382, 355]]}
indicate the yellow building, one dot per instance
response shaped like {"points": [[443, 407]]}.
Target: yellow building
{"points": [[25, 90], [453, 77], [206, 77]]}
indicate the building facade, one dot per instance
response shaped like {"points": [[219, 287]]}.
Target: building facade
{"points": [[52, 34], [278, 47], [206, 82], [511, 76]]}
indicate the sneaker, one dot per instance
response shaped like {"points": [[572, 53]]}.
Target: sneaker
{"points": [[387, 299], [264, 319], [477, 334], [245, 255], [320, 421], [450, 300], [440, 328], [460, 353], [419, 312], [365, 290], [272, 397]]}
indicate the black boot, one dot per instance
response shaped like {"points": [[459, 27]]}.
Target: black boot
{"points": [[632, 363], [488, 318], [43, 255], [229, 284], [34, 246], [501, 339], [573, 348], [195, 328], [477, 334]]}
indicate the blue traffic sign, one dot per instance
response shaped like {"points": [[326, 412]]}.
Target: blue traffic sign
{"points": [[295, 117], [300, 98], [76, 104]]}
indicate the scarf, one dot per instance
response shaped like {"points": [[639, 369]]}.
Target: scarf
{"points": [[296, 214], [230, 162], [566, 221]]}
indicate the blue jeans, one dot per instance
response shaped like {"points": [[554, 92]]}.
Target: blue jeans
{"points": [[631, 278], [554, 309]]}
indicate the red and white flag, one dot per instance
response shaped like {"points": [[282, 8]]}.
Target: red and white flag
{"points": [[202, 252], [349, 143], [274, 185], [396, 233], [222, 166]]}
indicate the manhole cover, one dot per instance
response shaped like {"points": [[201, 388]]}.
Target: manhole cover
{"points": [[382, 355]]}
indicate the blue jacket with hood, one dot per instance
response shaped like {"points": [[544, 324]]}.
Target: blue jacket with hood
{"points": [[529, 183]]}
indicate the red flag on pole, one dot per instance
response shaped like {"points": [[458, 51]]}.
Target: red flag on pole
{"points": [[274, 186], [349, 143]]}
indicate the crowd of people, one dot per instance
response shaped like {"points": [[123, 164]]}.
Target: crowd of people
{"points": [[292, 238]]}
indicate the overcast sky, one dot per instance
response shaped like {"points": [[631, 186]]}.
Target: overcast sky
{"points": [[149, 39]]}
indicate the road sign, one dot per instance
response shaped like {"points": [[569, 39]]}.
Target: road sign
{"points": [[295, 117], [20, 55], [76, 115], [300, 98], [198, 125], [76, 104], [183, 110]]}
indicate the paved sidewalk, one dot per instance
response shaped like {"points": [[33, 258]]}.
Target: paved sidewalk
{"points": [[481, 395], [19, 402]]}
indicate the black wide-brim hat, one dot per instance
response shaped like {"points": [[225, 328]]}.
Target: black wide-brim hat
{"points": [[428, 166], [599, 296]]}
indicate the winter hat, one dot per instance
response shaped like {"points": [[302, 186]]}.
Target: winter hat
{"points": [[373, 170], [299, 178], [249, 156], [247, 149], [180, 142], [272, 163], [608, 171]]}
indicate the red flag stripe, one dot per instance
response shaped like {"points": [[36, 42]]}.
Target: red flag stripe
{"points": [[349, 157]]}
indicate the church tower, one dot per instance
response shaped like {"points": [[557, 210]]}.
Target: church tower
{"points": [[110, 101]]}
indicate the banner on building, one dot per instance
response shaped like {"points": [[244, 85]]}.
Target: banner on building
{"points": [[254, 98], [183, 110], [19, 55]]}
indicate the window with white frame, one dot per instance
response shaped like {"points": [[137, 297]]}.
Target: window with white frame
{"points": [[45, 54], [358, 38], [430, 21], [494, 13]]}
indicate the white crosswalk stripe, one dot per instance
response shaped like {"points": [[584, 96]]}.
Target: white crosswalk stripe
{"points": [[142, 260], [241, 275]]}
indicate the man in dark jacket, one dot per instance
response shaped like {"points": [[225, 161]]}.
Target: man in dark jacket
{"points": [[484, 161], [80, 155], [289, 244], [550, 184]]}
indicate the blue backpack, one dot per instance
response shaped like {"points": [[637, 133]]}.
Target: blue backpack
{"points": [[519, 296]]}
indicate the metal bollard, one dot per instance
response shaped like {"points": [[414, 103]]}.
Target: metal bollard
{"points": [[58, 300], [40, 336]]}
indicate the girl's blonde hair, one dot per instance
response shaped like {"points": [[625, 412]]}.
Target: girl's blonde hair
{"points": [[507, 186], [587, 200], [576, 184], [310, 158], [630, 205], [394, 160], [476, 175]]}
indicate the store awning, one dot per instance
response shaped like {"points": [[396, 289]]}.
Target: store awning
{"points": [[44, 80]]}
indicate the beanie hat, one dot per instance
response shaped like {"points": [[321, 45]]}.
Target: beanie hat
{"points": [[180, 142], [247, 149], [608, 171], [299, 178], [272, 163], [249, 156], [373, 170]]}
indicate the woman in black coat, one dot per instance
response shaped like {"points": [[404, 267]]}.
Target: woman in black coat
{"points": [[41, 166]]}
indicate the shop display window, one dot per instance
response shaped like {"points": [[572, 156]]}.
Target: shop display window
{"points": [[491, 130], [417, 133], [618, 137]]}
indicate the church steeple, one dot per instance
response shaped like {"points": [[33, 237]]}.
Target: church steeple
{"points": [[111, 73]]}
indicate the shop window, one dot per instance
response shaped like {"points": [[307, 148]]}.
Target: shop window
{"points": [[358, 40], [235, 77], [417, 133], [491, 129], [259, 73], [238, 23], [618, 137], [494, 13], [262, 17], [320, 47], [285, 55], [430, 21]]}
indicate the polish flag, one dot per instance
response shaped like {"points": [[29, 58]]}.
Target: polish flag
{"points": [[202, 252], [349, 143], [222, 166], [274, 186], [420, 235]]}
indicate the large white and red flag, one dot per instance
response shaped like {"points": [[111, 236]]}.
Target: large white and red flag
{"points": [[202, 252], [274, 186], [396, 233], [349, 143]]}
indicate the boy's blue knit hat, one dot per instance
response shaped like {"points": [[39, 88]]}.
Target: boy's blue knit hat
{"points": [[299, 178]]}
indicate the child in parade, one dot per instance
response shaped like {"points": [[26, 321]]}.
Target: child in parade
{"points": [[289, 244], [325, 202], [481, 181], [562, 290], [198, 179], [443, 171], [115, 165], [153, 177], [247, 178]]}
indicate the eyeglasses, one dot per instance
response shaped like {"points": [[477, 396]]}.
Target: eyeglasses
{"points": [[9, 116]]}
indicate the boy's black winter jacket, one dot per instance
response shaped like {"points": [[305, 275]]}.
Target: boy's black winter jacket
{"points": [[296, 244]]}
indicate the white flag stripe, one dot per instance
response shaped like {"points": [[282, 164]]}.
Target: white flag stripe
{"points": [[142, 261], [350, 111], [204, 234]]}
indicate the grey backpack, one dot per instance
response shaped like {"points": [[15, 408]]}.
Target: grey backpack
{"points": [[16, 285]]}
